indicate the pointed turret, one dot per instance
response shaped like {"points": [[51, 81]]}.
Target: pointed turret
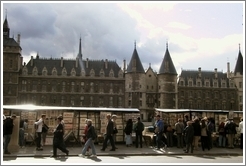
{"points": [[80, 50], [6, 28], [239, 64], [79, 56], [167, 65], [135, 64]]}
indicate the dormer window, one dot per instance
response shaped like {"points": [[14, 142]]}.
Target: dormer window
{"points": [[198, 83], [215, 84], [102, 73], [120, 74], [54, 72], [92, 73], [111, 73], [190, 83], [73, 72], [64, 72], [35, 71], [207, 83]]}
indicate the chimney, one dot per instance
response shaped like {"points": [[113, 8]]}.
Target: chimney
{"points": [[61, 61], [77, 62], [106, 63], [87, 63], [18, 39], [199, 72], [228, 70], [31, 60], [215, 73], [124, 66]]}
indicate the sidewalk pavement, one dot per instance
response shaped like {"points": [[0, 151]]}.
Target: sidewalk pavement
{"points": [[30, 151]]}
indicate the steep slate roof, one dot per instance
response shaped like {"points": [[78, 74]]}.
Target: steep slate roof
{"points": [[167, 65], [10, 42], [7, 41], [97, 65], [139, 66], [239, 64], [186, 74]]}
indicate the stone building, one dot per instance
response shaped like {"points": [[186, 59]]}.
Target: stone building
{"points": [[78, 82], [211, 90], [12, 64], [147, 90], [102, 83]]}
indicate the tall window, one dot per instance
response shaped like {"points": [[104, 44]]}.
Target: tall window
{"points": [[72, 101], [240, 84], [63, 100], [91, 101], [111, 102], [43, 86], [63, 86], [23, 86], [190, 83], [72, 86], [11, 64]]}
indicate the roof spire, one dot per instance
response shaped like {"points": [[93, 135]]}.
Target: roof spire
{"points": [[239, 46], [135, 44], [80, 45], [167, 44], [6, 13]]}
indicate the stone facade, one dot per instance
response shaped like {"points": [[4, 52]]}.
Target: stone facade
{"points": [[102, 83]]}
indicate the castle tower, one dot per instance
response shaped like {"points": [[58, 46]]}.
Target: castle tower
{"points": [[238, 79], [167, 83], [135, 85], [12, 65]]}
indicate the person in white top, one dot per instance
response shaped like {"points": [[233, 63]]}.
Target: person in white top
{"points": [[39, 124], [240, 129]]}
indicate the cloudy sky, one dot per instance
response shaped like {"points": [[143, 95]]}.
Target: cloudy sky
{"points": [[205, 35]]}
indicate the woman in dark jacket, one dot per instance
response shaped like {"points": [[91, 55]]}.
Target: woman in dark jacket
{"points": [[58, 141], [128, 132], [197, 133]]}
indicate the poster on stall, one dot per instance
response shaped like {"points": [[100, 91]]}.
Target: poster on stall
{"points": [[230, 116]]}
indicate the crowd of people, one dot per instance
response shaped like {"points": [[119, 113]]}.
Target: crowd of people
{"points": [[190, 133], [187, 134]]}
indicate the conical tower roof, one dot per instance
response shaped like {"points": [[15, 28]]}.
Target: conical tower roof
{"points": [[135, 64], [239, 64], [167, 65]]}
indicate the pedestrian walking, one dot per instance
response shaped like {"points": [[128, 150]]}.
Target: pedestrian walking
{"points": [[22, 133], [159, 130], [109, 134], [90, 138], [7, 131], [39, 127], [58, 141]]}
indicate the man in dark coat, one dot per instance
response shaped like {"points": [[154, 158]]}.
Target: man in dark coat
{"points": [[7, 131], [138, 128], [109, 134], [189, 135], [58, 141]]}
